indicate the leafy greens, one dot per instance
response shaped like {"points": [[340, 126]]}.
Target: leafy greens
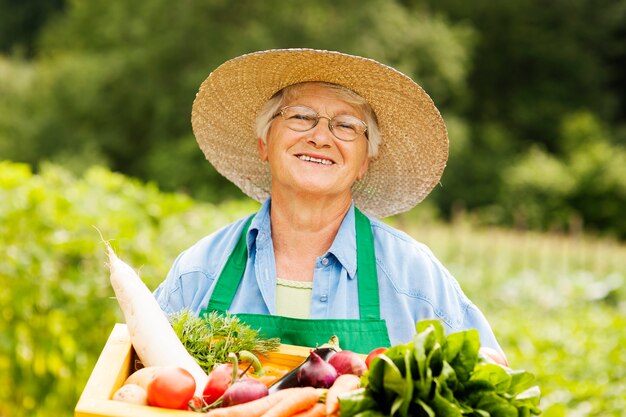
{"points": [[439, 376]]}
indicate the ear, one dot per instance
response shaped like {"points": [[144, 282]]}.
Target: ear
{"points": [[262, 147], [363, 168]]}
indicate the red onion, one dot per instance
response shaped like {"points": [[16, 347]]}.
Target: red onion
{"points": [[347, 362], [316, 373], [242, 391]]}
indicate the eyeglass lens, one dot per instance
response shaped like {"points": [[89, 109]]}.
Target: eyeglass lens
{"points": [[343, 126]]}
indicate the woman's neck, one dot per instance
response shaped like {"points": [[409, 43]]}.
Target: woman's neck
{"points": [[302, 230]]}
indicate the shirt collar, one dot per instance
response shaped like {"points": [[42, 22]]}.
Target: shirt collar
{"points": [[260, 227], [343, 247]]}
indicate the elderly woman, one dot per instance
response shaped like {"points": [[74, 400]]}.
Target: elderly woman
{"points": [[328, 143]]}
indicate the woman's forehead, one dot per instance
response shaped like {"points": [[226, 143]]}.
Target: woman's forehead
{"points": [[321, 94]]}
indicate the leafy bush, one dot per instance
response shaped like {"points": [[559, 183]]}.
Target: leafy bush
{"points": [[587, 184]]}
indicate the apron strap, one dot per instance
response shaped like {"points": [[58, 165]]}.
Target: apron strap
{"points": [[228, 281], [367, 277]]}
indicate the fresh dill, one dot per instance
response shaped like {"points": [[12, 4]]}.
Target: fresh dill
{"points": [[209, 339]]}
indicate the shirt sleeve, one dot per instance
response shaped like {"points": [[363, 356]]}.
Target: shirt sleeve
{"points": [[476, 320], [168, 293]]}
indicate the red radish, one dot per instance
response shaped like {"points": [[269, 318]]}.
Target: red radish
{"points": [[347, 362], [243, 391], [218, 382], [316, 373], [151, 334]]}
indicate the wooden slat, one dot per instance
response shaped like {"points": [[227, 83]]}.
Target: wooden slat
{"points": [[114, 366]]}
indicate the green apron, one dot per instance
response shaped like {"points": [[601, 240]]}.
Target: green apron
{"points": [[362, 335]]}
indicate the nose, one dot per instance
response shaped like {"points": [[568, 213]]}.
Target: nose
{"points": [[321, 135]]}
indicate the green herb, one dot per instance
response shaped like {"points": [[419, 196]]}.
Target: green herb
{"points": [[441, 376], [211, 338]]}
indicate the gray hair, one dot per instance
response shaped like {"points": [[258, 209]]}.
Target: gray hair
{"points": [[269, 109]]}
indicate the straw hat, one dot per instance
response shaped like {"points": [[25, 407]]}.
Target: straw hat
{"points": [[414, 146]]}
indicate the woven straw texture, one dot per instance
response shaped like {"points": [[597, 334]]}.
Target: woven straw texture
{"points": [[414, 147]]}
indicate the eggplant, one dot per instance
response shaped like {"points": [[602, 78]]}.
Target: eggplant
{"points": [[290, 380]]}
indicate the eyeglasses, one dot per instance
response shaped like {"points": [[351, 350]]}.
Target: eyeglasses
{"points": [[302, 118]]}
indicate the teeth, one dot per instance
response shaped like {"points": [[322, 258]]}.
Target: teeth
{"points": [[319, 161]]}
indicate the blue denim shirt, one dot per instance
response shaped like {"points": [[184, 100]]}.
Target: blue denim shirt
{"points": [[413, 284]]}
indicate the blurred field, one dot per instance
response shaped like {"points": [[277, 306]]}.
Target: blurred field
{"points": [[556, 303]]}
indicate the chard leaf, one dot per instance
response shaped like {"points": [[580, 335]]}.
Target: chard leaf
{"points": [[467, 356], [356, 402], [424, 408], [494, 374], [453, 345], [435, 360], [474, 390], [392, 378], [437, 328], [397, 405], [520, 381], [370, 413], [408, 379], [496, 406], [447, 377]]}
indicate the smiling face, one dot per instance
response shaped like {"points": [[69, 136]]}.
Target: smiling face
{"points": [[314, 162]]}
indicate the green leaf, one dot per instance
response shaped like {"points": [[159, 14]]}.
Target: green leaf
{"points": [[357, 402], [496, 406], [422, 325], [369, 413], [444, 407], [392, 377], [408, 391], [494, 374], [424, 408], [520, 381], [466, 345]]}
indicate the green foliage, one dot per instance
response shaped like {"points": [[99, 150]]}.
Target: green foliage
{"points": [[56, 305], [212, 337], [587, 183], [532, 64], [21, 22], [114, 81]]}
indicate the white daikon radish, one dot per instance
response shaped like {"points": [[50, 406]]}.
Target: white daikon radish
{"points": [[150, 332]]}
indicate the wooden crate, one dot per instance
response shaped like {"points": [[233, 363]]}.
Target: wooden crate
{"points": [[116, 363]]}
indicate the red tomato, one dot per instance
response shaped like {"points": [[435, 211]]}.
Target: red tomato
{"points": [[373, 354], [172, 387], [219, 380]]}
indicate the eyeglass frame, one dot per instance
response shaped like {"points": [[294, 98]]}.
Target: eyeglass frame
{"points": [[317, 120]]}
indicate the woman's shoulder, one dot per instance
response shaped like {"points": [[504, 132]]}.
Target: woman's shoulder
{"points": [[410, 264], [413, 271], [389, 239], [209, 252]]}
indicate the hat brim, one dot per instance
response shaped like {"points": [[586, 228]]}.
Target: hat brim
{"points": [[414, 146]]}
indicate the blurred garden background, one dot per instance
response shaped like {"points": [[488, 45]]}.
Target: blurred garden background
{"points": [[95, 101]]}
